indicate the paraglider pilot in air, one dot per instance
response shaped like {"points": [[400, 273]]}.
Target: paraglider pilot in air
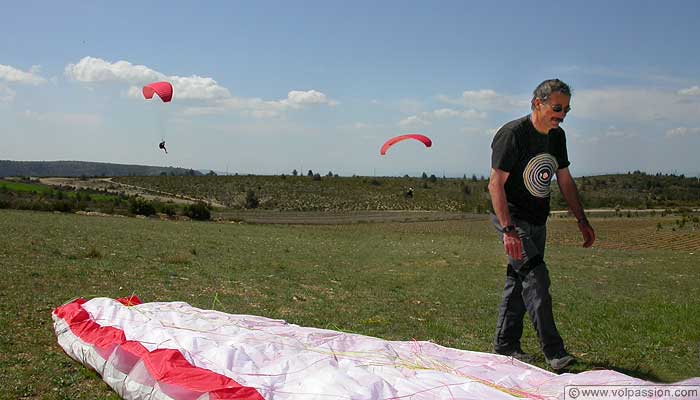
{"points": [[162, 146]]}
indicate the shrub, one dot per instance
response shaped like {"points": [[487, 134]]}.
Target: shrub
{"points": [[251, 199], [141, 207], [62, 206], [168, 209], [199, 211]]}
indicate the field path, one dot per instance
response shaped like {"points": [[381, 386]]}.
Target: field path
{"points": [[117, 187]]}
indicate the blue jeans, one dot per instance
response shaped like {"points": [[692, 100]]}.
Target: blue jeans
{"points": [[527, 289]]}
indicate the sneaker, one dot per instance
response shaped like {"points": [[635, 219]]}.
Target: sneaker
{"points": [[518, 354], [560, 361]]}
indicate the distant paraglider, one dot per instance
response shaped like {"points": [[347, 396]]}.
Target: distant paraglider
{"points": [[421, 138], [164, 90]]}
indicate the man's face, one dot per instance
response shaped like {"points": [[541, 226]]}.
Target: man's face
{"points": [[553, 110]]}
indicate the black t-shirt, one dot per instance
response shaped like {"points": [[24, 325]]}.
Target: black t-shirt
{"points": [[532, 159]]}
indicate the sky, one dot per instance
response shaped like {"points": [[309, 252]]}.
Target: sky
{"points": [[267, 87]]}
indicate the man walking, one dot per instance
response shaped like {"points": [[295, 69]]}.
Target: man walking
{"points": [[526, 154]]}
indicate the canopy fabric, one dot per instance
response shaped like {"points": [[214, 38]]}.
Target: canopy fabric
{"points": [[171, 350]]}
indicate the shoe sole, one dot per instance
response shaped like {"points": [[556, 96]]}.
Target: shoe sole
{"points": [[569, 362]]}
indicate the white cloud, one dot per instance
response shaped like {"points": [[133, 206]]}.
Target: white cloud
{"points": [[197, 87], [259, 108], [426, 118], [6, 94], [96, 70], [92, 69], [486, 99], [443, 113], [691, 91], [14, 75], [217, 99], [297, 98], [632, 105], [413, 122], [682, 131]]}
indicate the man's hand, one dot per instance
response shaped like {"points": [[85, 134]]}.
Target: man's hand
{"points": [[587, 231], [513, 245]]}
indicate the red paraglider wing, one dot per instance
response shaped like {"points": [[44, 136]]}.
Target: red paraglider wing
{"points": [[421, 138], [164, 90]]}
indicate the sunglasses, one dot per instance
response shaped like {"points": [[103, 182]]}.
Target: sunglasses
{"points": [[557, 108]]}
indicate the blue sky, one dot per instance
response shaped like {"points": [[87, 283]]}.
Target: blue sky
{"points": [[270, 86]]}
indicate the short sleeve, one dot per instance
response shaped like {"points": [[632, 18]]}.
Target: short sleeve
{"points": [[503, 150], [560, 151]]}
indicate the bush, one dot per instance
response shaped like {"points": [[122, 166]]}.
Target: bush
{"points": [[62, 206], [168, 209], [199, 211], [251, 199], [141, 207]]}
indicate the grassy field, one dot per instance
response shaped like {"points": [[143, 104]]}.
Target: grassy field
{"points": [[43, 189], [328, 194], [631, 304]]}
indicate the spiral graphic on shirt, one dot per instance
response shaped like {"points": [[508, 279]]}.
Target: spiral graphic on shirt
{"points": [[538, 174]]}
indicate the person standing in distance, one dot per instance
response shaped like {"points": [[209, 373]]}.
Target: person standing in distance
{"points": [[526, 154]]}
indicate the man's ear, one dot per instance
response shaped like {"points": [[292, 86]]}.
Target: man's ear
{"points": [[537, 103]]}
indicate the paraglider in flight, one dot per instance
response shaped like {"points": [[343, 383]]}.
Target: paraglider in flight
{"points": [[164, 90], [421, 138]]}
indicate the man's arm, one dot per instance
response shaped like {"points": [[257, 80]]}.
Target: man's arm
{"points": [[568, 189], [511, 241]]}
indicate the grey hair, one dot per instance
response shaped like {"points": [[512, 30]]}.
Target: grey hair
{"points": [[546, 88]]}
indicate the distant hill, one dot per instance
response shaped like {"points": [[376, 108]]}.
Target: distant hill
{"points": [[86, 168]]}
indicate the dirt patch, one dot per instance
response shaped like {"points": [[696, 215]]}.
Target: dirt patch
{"points": [[107, 184], [338, 218]]}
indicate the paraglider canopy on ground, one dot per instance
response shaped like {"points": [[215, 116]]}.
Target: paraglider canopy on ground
{"points": [[176, 351]]}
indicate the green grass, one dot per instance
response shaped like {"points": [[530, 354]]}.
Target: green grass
{"points": [[21, 187], [25, 187], [633, 310], [302, 193]]}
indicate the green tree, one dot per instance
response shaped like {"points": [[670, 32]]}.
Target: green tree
{"points": [[199, 211], [141, 207], [251, 199]]}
